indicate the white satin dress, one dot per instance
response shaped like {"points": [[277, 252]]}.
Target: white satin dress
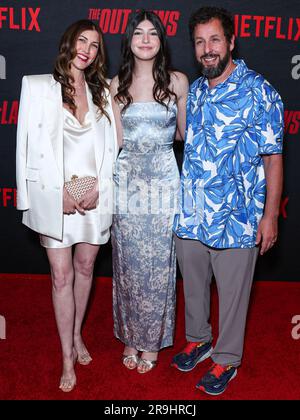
{"points": [[79, 159]]}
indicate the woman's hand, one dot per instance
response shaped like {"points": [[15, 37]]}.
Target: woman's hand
{"points": [[90, 198], [70, 205]]}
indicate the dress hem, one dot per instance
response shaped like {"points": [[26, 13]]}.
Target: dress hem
{"points": [[139, 348]]}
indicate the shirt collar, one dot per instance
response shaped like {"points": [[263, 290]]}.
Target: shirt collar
{"points": [[234, 77]]}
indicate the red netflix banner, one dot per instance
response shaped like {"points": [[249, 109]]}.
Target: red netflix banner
{"points": [[9, 112], [16, 18], [291, 122], [114, 21], [8, 197], [267, 27], [268, 37]]}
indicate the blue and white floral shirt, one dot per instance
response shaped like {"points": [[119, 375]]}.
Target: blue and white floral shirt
{"points": [[223, 183]]}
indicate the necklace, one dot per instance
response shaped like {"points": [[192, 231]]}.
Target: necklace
{"points": [[79, 89]]}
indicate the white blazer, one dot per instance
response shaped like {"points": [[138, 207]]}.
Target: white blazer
{"points": [[39, 164]]}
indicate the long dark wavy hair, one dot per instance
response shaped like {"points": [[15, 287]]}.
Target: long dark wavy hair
{"points": [[94, 73], [161, 74]]}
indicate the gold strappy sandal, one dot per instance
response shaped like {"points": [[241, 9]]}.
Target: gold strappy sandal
{"points": [[127, 358], [147, 364]]}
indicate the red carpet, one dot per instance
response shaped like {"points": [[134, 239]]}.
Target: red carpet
{"points": [[30, 357]]}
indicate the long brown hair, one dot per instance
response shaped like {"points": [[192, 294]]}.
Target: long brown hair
{"points": [[94, 74], [161, 74]]}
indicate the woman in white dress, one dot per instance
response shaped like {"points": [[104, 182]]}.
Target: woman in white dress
{"points": [[66, 128]]}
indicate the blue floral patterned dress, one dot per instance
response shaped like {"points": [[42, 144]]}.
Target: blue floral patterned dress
{"points": [[144, 262]]}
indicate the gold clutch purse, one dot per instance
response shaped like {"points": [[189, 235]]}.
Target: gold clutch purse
{"points": [[77, 187]]}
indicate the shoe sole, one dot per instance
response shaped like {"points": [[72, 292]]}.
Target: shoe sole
{"points": [[217, 393], [204, 357]]}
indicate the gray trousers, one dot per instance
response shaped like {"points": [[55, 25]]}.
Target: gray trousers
{"points": [[233, 269]]}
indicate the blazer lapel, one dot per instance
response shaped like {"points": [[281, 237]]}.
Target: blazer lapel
{"points": [[55, 125], [99, 130], [55, 122]]}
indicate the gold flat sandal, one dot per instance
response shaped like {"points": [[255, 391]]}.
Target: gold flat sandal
{"points": [[148, 364], [130, 357]]}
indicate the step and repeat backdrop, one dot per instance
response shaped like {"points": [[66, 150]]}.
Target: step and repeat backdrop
{"points": [[267, 38]]}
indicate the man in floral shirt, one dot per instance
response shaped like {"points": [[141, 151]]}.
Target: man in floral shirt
{"points": [[231, 187]]}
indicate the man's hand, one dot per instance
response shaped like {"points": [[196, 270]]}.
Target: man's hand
{"points": [[268, 227], [267, 233]]}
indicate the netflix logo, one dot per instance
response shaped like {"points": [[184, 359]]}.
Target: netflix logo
{"points": [[8, 197], [9, 112], [23, 19], [291, 122], [267, 27], [114, 21]]}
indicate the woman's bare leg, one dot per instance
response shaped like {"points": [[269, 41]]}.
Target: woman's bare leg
{"points": [[62, 274], [83, 262]]}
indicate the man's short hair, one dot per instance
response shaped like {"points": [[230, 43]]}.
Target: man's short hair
{"points": [[205, 14]]}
